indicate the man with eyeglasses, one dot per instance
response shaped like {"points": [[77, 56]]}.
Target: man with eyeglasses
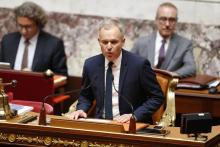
{"points": [[31, 48], [164, 48]]}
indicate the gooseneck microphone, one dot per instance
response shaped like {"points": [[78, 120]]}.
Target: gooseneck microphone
{"points": [[13, 83], [42, 116], [132, 125]]}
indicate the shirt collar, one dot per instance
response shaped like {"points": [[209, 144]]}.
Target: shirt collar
{"points": [[160, 38], [32, 40], [117, 62]]}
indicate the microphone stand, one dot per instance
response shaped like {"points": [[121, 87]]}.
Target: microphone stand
{"points": [[42, 116], [132, 124]]}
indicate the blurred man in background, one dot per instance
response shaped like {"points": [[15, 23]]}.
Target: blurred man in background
{"points": [[31, 48], [164, 48]]}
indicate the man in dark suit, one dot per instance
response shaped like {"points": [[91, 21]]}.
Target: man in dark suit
{"points": [[177, 55], [133, 78], [32, 48]]}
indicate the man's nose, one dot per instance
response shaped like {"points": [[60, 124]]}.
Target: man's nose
{"points": [[167, 22], [23, 30], [109, 46]]}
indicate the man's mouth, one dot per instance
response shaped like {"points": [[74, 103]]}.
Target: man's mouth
{"points": [[109, 54]]}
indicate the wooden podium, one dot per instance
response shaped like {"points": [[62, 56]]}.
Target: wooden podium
{"points": [[95, 124], [31, 134]]}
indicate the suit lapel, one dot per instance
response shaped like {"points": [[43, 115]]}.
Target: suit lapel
{"points": [[15, 50], [100, 72], [39, 47], [123, 70], [170, 52], [151, 49]]}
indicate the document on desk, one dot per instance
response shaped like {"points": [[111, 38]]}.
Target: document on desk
{"points": [[21, 109], [97, 120], [153, 131], [196, 82]]}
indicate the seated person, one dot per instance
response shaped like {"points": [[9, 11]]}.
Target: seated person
{"points": [[31, 48], [164, 48], [114, 76]]}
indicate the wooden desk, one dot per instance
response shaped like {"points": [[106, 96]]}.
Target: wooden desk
{"points": [[59, 81], [35, 135], [190, 101]]}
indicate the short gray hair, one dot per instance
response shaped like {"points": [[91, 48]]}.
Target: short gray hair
{"points": [[33, 12], [109, 23], [167, 4]]}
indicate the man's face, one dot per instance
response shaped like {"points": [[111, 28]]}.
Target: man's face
{"points": [[27, 27], [166, 21], [111, 42]]}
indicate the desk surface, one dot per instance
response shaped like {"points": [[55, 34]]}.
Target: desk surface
{"points": [[197, 93], [36, 135], [194, 101], [59, 81]]}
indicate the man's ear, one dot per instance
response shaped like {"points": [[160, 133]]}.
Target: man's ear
{"points": [[123, 40]]}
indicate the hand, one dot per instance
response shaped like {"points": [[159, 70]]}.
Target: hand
{"points": [[125, 118], [77, 114]]}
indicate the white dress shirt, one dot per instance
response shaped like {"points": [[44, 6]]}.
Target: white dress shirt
{"points": [[116, 73], [31, 52], [158, 44]]}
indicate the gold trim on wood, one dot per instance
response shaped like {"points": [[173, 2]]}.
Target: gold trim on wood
{"points": [[11, 137], [50, 141], [47, 140], [3, 136]]}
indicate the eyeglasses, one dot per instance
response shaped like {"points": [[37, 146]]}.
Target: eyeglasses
{"points": [[171, 20], [26, 27]]}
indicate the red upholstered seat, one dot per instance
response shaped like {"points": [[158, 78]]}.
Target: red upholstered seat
{"points": [[35, 105], [58, 99], [31, 87]]}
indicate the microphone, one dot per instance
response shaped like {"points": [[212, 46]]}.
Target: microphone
{"points": [[132, 125], [213, 87], [42, 116], [13, 83]]}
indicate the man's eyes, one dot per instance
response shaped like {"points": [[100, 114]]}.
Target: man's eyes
{"points": [[111, 42]]}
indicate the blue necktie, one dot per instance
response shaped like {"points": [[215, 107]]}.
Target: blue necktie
{"points": [[108, 92], [161, 54]]}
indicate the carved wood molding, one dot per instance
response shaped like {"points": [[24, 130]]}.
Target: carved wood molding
{"points": [[52, 141]]}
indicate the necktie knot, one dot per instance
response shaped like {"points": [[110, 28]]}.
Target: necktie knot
{"points": [[110, 64], [27, 42], [164, 41]]}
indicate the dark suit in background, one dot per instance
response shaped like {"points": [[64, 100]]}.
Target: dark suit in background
{"points": [[138, 84], [49, 52], [179, 57]]}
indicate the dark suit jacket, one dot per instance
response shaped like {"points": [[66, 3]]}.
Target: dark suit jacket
{"points": [[179, 57], [49, 52], [137, 83]]}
